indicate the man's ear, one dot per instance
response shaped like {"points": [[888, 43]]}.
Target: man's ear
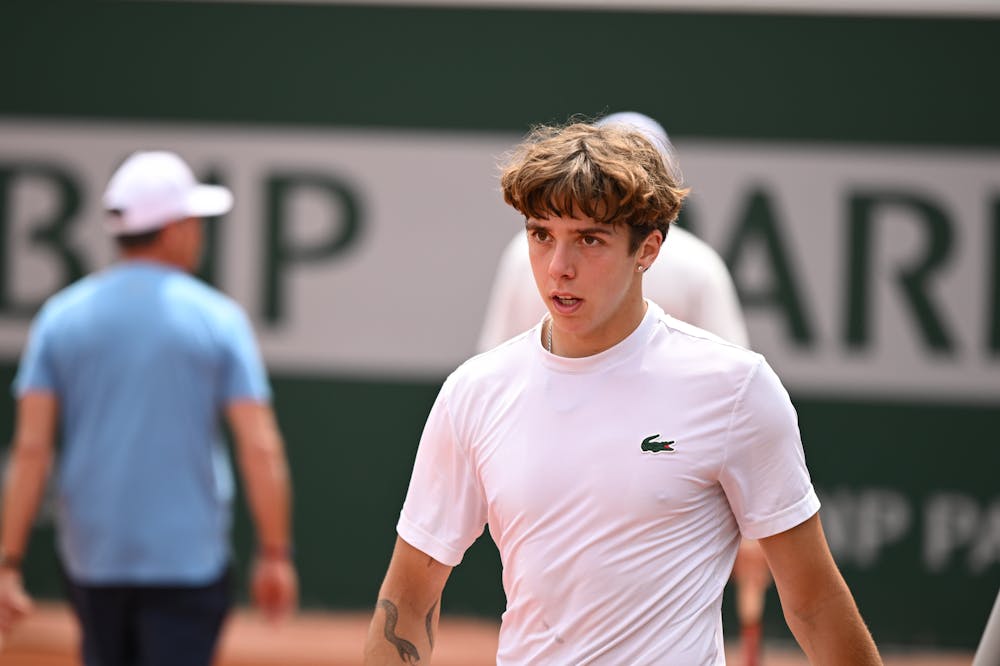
{"points": [[649, 249]]}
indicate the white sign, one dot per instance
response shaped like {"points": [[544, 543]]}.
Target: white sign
{"points": [[421, 215], [864, 270], [886, 259], [955, 529]]}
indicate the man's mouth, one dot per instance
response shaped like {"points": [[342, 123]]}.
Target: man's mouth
{"points": [[566, 303]]}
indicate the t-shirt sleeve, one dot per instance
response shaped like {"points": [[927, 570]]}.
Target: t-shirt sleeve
{"points": [[445, 509], [36, 372], [244, 375], [764, 472]]}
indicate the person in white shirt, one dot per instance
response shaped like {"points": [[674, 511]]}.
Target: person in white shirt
{"points": [[616, 453], [690, 281]]}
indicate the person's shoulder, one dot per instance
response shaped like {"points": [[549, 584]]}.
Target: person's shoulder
{"points": [[688, 267], [70, 298], [681, 245], [692, 334], [208, 306], [496, 364], [687, 240], [195, 289], [704, 347], [708, 366]]}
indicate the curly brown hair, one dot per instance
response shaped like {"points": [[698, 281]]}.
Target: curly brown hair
{"points": [[611, 173]]}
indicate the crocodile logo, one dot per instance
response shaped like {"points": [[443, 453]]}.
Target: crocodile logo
{"points": [[656, 447]]}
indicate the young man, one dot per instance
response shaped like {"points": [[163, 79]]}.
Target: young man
{"points": [[689, 281], [134, 367], [616, 453]]}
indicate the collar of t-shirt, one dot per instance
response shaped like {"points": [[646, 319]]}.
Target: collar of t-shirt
{"points": [[612, 356]]}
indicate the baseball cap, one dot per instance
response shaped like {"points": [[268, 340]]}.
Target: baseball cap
{"points": [[151, 189]]}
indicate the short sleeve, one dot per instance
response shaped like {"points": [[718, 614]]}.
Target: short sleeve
{"points": [[36, 372], [245, 377], [764, 474], [445, 508]]}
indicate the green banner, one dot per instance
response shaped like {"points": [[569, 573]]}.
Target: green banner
{"points": [[882, 309]]}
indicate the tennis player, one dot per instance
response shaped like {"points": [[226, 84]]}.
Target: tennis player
{"points": [[616, 453]]}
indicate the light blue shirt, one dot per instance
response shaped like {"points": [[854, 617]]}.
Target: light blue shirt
{"points": [[143, 359]]}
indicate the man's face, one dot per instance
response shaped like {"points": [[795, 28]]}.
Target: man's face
{"points": [[589, 280]]}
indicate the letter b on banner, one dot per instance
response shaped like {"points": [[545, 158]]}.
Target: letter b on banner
{"points": [[49, 233]]}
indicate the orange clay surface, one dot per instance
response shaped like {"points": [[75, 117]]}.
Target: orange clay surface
{"points": [[49, 638]]}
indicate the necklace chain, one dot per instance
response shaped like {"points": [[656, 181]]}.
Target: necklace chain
{"points": [[548, 342]]}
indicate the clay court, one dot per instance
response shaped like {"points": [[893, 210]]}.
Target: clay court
{"points": [[49, 638]]}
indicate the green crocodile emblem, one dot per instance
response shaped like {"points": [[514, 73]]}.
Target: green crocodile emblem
{"points": [[656, 447]]}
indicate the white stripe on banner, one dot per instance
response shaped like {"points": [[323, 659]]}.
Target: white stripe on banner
{"points": [[870, 271]]}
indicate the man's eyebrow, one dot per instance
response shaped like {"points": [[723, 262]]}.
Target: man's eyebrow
{"points": [[602, 230], [594, 231]]}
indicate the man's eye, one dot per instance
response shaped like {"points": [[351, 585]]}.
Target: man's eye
{"points": [[591, 240], [540, 235]]}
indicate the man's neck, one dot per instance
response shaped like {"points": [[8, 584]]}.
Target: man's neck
{"points": [[152, 255], [573, 346]]}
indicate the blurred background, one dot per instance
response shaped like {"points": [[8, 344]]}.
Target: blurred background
{"points": [[844, 159]]}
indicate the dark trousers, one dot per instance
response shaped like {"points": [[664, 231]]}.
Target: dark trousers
{"points": [[125, 625]]}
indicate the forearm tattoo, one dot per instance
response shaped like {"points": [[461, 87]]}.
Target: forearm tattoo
{"points": [[407, 650], [429, 624]]}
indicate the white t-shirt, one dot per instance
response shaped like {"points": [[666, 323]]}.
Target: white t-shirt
{"points": [[611, 554], [688, 280]]}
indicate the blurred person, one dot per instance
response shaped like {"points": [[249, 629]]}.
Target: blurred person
{"points": [[616, 453], [134, 369], [689, 281]]}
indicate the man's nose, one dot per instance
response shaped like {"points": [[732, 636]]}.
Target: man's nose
{"points": [[562, 265]]}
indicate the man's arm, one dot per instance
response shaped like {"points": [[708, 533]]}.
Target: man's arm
{"points": [[261, 455], [817, 603], [405, 622], [27, 472]]}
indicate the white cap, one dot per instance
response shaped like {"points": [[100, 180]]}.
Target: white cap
{"points": [[652, 130], [152, 189]]}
